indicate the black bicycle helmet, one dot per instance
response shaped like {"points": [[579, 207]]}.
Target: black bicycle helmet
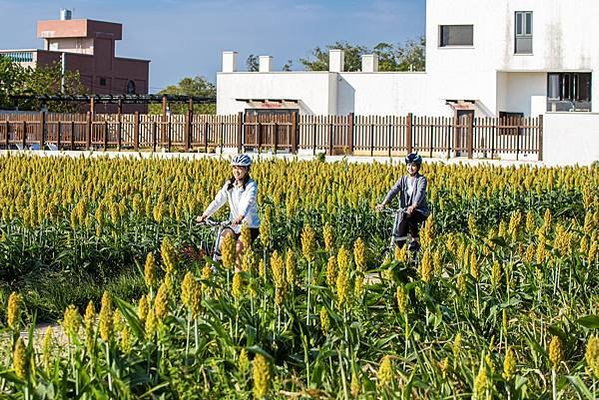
{"points": [[414, 158]]}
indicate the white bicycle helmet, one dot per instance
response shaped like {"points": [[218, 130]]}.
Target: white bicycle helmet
{"points": [[241, 160]]}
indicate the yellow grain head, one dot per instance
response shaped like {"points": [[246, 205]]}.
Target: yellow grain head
{"points": [[592, 356], [150, 271], [360, 254], [332, 270], [261, 376], [105, 323], [308, 239], [556, 352], [329, 239], [15, 304], [386, 375]]}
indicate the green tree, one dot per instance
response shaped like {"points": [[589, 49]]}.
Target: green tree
{"points": [[196, 86], [320, 61], [252, 63], [410, 56], [47, 80], [11, 77]]}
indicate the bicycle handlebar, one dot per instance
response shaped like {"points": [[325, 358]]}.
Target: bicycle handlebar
{"points": [[394, 210], [213, 223]]}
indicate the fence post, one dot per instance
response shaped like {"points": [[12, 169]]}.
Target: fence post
{"points": [[409, 133], [187, 142], [431, 136], [24, 134], [494, 137], [457, 126], [72, 135], [206, 131], [314, 137], [330, 137], [371, 140], [240, 132], [389, 139], [105, 135], [449, 126], [540, 144], [59, 133], [294, 132], [259, 138], [350, 133], [119, 129], [222, 136], [470, 139], [136, 130], [88, 132], [169, 132], [42, 130], [275, 138], [154, 134], [7, 138]]}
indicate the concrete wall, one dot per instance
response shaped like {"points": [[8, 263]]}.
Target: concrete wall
{"points": [[516, 90], [563, 41], [383, 93], [571, 136], [316, 90], [488, 72]]}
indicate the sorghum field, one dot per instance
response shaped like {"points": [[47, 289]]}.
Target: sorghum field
{"points": [[502, 302]]}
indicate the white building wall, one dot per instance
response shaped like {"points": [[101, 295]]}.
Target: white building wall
{"points": [[563, 41], [312, 88], [384, 93], [487, 72], [516, 91], [570, 136]]}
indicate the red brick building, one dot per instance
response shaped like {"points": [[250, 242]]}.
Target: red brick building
{"points": [[88, 46]]}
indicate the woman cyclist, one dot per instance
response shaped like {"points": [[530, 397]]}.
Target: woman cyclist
{"points": [[240, 192], [412, 190]]}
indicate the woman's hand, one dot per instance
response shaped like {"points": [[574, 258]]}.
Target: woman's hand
{"points": [[237, 220], [380, 207], [201, 218], [410, 209]]}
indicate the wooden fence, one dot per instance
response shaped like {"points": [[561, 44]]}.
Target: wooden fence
{"points": [[348, 134]]}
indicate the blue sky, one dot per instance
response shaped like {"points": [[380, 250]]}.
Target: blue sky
{"points": [[186, 38]]}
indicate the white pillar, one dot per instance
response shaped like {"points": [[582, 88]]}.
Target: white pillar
{"points": [[229, 61], [336, 60], [265, 64], [370, 63]]}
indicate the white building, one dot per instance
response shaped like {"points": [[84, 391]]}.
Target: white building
{"points": [[486, 57]]}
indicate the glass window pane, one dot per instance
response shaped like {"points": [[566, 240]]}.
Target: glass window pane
{"points": [[518, 23], [584, 87], [457, 35], [528, 25], [553, 87]]}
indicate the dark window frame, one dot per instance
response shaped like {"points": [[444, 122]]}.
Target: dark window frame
{"points": [[445, 41], [569, 86], [523, 32], [102, 81]]}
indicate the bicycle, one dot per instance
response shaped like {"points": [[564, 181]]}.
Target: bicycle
{"points": [[205, 248], [400, 213], [217, 227]]}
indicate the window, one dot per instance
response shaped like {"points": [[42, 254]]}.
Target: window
{"points": [[102, 81], [569, 91], [456, 35], [130, 88], [523, 41]]}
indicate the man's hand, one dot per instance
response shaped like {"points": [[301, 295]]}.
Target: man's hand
{"points": [[201, 218], [410, 209], [237, 220], [380, 207]]}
